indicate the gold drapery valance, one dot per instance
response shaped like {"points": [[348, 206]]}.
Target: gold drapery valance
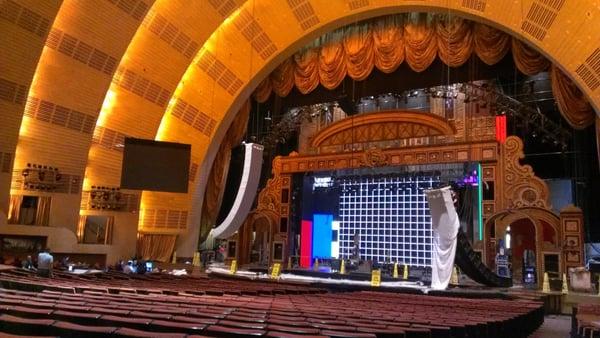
{"points": [[417, 39]]}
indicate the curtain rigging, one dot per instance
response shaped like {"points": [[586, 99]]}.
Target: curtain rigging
{"points": [[416, 39]]}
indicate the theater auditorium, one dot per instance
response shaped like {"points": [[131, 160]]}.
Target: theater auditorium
{"points": [[300, 168]]}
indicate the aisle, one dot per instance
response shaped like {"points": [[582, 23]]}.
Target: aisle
{"points": [[554, 327]]}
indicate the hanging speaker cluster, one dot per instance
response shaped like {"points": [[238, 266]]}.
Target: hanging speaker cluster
{"points": [[105, 198], [41, 177]]}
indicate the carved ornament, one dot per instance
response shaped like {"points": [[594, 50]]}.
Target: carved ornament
{"points": [[383, 126], [374, 157], [521, 187]]}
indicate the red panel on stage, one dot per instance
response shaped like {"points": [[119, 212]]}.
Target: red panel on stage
{"points": [[501, 128], [305, 244]]}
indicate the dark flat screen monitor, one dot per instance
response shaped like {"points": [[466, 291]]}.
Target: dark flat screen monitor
{"points": [[155, 166]]}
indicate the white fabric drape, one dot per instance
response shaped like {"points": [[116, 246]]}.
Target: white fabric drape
{"points": [[445, 223]]}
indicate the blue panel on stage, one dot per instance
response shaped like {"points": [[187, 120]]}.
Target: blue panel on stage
{"points": [[322, 235]]}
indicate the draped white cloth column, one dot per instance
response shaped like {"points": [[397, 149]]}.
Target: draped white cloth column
{"points": [[445, 224], [245, 195]]}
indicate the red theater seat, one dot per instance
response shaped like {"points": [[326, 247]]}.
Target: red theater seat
{"points": [[66, 329], [127, 332]]}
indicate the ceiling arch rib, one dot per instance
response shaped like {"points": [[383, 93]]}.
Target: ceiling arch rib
{"points": [[25, 26], [74, 71], [569, 40], [142, 87]]}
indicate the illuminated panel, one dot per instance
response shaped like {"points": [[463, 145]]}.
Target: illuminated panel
{"points": [[305, 243], [391, 216], [322, 231], [480, 202], [501, 128]]}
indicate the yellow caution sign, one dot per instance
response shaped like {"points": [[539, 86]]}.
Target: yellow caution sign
{"points": [[546, 283], [196, 259], [343, 267], [405, 272], [454, 276], [233, 267], [276, 270], [565, 286], [376, 278], [395, 273]]}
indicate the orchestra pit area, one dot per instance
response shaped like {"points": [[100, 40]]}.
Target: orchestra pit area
{"points": [[160, 305]]}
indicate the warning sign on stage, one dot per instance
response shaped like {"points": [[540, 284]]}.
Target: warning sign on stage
{"points": [[376, 278], [276, 270]]}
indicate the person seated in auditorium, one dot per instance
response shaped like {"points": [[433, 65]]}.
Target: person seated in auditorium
{"points": [[45, 263], [27, 263], [129, 268], [64, 263]]}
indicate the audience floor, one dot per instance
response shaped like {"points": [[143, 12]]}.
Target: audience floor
{"points": [[554, 327]]}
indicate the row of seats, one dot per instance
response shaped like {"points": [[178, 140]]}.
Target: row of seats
{"points": [[179, 313], [117, 282]]}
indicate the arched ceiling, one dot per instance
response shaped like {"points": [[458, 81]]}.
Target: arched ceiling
{"points": [[126, 67]]}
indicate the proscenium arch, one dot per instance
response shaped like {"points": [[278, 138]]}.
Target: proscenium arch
{"points": [[568, 42]]}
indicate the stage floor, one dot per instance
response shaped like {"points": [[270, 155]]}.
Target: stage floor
{"points": [[556, 302]]}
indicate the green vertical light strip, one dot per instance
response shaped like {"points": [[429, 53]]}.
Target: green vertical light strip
{"points": [[480, 200]]}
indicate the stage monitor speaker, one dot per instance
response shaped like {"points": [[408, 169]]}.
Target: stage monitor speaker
{"points": [[155, 166]]}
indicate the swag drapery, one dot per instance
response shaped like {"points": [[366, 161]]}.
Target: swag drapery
{"points": [[416, 39]]}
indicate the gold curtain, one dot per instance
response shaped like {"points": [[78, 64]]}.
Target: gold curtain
{"points": [[282, 78], [527, 60], [358, 47], [420, 43], [14, 209], [418, 39], [81, 228], [454, 40], [571, 102], [218, 173], [42, 215], [332, 64], [490, 44], [388, 41], [110, 222], [264, 90], [156, 247], [306, 72]]}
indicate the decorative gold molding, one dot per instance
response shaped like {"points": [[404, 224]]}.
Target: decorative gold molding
{"points": [[374, 157], [383, 126], [521, 187], [268, 198], [485, 152]]}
